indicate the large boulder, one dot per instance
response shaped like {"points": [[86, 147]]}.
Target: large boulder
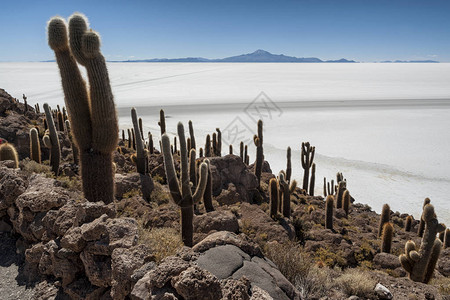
{"points": [[12, 185]]}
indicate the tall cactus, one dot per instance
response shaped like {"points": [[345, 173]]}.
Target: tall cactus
{"points": [[51, 141], [329, 208], [35, 146], [420, 264], [384, 218], [288, 164], [307, 161], [208, 146], [150, 143], [147, 184], [219, 143], [8, 152], [324, 187], [183, 197], [60, 121], [273, 192], [192, 135], [129, 138], [214, 144], [286, 204], [386, 237], [241, 151], [312, 182], [162, 121], [421, 228], [340, 193], [92, 113], [258, 140], [75, 152]]}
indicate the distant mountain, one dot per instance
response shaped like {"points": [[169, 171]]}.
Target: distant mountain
{"points": [[259, 56], [410, 61]]}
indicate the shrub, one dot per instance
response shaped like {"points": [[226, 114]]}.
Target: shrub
{"points": [[30, 166], [356, 282], [163, 242]]}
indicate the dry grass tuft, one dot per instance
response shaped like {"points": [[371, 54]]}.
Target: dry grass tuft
{"points": [[163, 242], [356, 282]]}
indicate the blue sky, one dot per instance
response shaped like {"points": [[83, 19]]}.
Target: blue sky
{"points": [[363, 30]]}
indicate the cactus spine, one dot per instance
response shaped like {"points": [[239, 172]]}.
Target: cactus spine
{"points": [[192, 136], [92, 113], [313, 180], [288, 164], [8, 152], [421, 228], [35, 146], [329, 207], [52, 141], [420, 264], [346, 202], [184, 197], [273, 192], [384, 218], [162, 121], [386, 238], [307, 158], [142, 159], [408, 223]]}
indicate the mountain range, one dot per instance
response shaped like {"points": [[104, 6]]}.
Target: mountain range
{"points": [[257, 56]]}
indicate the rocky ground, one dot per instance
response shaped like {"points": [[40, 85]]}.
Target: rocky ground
{"points": [[56, 245]]}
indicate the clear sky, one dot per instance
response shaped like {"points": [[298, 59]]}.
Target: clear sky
{"points": [[363, 30]]}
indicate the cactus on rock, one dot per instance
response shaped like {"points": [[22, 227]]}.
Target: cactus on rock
{"points": [[340, 193], [346, 202], [420, 263], [35, 146], [219, 143], [408, 223], [312, 182], [329, 208], [421, 228], [286, 196], [92, 112], [258, 140], [51, 141], [386, 237], [181, 190], [8, 152], [384, 218]]}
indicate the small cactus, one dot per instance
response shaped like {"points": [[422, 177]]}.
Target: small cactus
{"points": [[192, 136], [346, 202], [241, 151], [60, 121], [219, 143], [129, 138], [258, 140], [231, 149], [386, 237], [307, 158], [420, 264], [246, 157], [284, 188], [288, 164], [208, 146], [273, 192], [384, 218], [329, 207], [421, 228], [150, 143], [35, 146], [214, 144], [340, 192], [52, 141], [162, 121], [447, 238], [324, 187], [313, 180], [8, 152], [408, 223]]}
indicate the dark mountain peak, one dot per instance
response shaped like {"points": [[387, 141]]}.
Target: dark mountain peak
{"points": [[261, 52]]}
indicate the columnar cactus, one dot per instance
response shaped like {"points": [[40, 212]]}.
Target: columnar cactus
{"points": [[329, 208], [92, 113], [241, 151], [339, 177], [307, 158], [231, 149], [420, 264], [141, 128], [421, 228], [192, 136], [219, 142], [181, 191], [340, 192], [288, 165], [408, 223], [386, 237], [208, 146], [313, 180], [150, 143], [60, 121], [129, 138], [447, 238], [258, 140], [384, 218], [35, 146], [207, 196], [284, 188], [25, 102], [346, 202], [133, 138], [175, 144], [75, 152], [324, 187], [51, 141], [214, 144], [8, 152], [273, 192], [246, 157], [192, 168], [142, 159], [162, 121]]}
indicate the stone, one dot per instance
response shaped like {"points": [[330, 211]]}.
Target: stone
{"points": [[382, 292], [196, 283], [226, 237], [229, 196], [222, 220], [11, 186], [222, 261], [386, 261]]}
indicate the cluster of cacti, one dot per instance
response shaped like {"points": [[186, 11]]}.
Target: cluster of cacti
{"points": [[51, 141], [307, 158], [181, 192], [384, 218], [8, 152], [386, 237], [258, 140], [142, 159], [92, 113], [328, 187], [420, 263], [421, 228], [35, 146], [37, 108]]}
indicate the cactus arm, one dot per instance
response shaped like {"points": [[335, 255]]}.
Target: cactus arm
{"points": [[201, 186], [170, 170], [74, 87]]}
